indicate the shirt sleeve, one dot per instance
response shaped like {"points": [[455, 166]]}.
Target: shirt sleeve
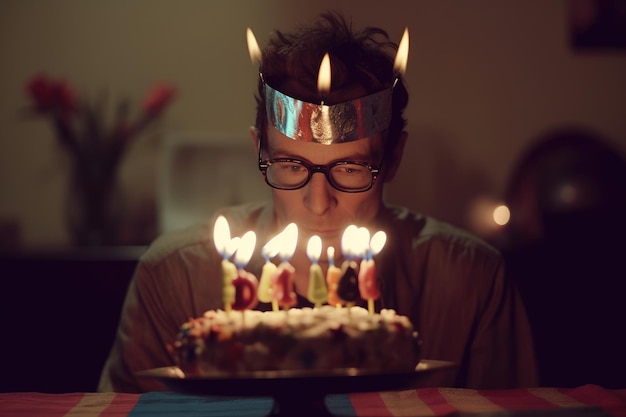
{"points": [[501, 352], [166, 291], [465, 308]]}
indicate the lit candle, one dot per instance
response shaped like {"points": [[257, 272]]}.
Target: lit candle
{"points": [[324, 77], [368, 286], [245, 283], [268, 251], [348, 287], [282, 280], [317, 292], [402, 55], [225, 247], [332, 278]]}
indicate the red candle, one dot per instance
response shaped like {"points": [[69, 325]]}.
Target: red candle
{"points": [[281, 282], [368, 286], [245, 284]]}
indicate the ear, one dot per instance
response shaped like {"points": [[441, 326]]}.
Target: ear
{"points": [[393, 160], [254, 134]]}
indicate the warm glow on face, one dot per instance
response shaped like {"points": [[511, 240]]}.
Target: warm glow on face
{"points": [[253, 47], [501, 215], [402, 55], [323, 77]]}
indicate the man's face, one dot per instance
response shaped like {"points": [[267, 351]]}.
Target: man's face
{"points": [[318, 208]]}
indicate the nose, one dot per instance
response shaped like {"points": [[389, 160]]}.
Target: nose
{"points": [[320, 196]]}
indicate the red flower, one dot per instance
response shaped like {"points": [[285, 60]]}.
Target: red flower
{"points": [[158, 98], [51, 95], [80, 125], [40, 90]]}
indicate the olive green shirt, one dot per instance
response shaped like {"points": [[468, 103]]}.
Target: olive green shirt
{"points": [[450, 284]]}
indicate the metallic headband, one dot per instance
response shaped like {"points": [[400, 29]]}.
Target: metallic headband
{"points": [[317, 122], [343, 122]]}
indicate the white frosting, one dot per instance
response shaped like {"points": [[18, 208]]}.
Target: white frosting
{"points": [[307, 338]]}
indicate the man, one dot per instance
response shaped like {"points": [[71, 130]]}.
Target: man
{"points": [[327, 169]]}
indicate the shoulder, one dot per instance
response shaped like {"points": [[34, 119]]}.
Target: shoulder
{"points": [[417, 232]]}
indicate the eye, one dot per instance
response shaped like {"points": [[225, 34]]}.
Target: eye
{"points": [[290, 168], [350, 169], [295, 168]]}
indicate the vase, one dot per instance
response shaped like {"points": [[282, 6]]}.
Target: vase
{"points": [[94, 209]]}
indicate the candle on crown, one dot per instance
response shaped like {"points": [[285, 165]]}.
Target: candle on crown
{"points": [[226, 247], [348, 288], [368, 285], [282, 279], [317, 292], [332, 278], [269, 250], [245, 283]]}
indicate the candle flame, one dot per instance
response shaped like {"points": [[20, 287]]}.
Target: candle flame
{"points": [[245, 249], [271, 248], [314, 248], [348, 241], [231, 246], [402, 55], [253, 47], [330, 252], [362, 239], [221, 235], [324, 77], [288, 241], [378, 242]]}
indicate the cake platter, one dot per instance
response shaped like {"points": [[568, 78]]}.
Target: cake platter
{"points": [[295, 392]]}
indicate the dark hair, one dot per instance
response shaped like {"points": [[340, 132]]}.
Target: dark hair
{"points": [[364, 58]]}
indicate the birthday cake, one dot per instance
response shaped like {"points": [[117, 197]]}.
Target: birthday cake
{"points": [[322, 338]]}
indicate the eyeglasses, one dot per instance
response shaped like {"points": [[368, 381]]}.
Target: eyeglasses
{"points": [[292, 174]]}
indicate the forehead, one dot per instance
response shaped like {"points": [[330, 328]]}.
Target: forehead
{"points": [[368, 149]]}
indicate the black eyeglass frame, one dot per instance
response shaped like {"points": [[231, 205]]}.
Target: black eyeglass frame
{"points": [[323, 169]]}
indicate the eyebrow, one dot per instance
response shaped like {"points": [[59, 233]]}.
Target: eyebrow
{"points": [[358, 157]]}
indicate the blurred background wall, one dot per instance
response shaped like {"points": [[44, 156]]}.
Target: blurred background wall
{"points": [[486, 78]]}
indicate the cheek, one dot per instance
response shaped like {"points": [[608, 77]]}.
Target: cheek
{"points": [[350, 208], [286, 203], [362, 206]]}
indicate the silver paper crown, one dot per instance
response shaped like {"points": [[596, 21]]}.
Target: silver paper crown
{"points": [[327, 124], [342, 122]]}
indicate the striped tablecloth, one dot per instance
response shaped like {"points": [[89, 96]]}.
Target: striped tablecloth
{"points": [[584, 401]]}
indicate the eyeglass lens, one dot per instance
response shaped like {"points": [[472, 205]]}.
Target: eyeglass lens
{"points": [[344, 176]]}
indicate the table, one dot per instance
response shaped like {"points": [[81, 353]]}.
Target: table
{"points": [[583, 401]]}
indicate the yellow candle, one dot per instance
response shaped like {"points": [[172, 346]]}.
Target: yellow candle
{"points": [[332, 278], [317, 292], [229, 272], [265, 288]]}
